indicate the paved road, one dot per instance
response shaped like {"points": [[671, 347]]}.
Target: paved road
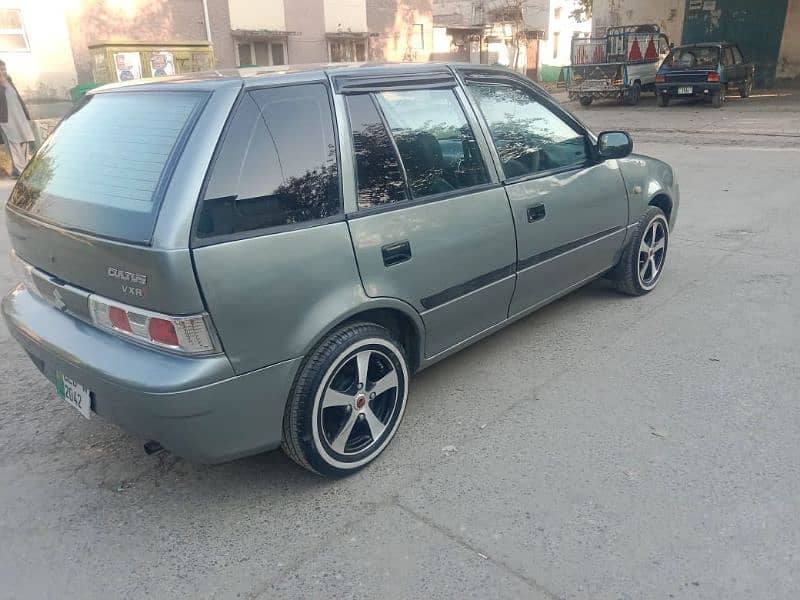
{"points": [[605, 447]]}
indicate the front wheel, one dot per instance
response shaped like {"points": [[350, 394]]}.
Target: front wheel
{"points": [[347, 402], [642, 264], [585, 100]]}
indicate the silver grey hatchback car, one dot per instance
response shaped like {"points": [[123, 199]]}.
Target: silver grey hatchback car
{"points": [[229, 263]]}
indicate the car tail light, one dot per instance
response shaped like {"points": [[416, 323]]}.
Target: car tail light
{"points": [[185, 334], [660, 79], [713, 77]]}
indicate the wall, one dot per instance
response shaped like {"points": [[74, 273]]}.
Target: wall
{"points": [[789, 56], [345, 15], [92, 21], [472, 12], [393, 21], [46, 71], [668, 14], [551, 61], [264, 14], [757, 27], [307, 18]]}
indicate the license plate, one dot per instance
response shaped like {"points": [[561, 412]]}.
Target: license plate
{"points": [[685, 89], [75, 394]]}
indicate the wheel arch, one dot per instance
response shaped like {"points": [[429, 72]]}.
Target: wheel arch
{"points": [[664, 202], [397, 316]]}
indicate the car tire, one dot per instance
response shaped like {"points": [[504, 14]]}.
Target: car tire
{"points": [[633, 95], [639, 270], [718, 98], [347, 401], [585, 100], [663, 100], [746, 88]]}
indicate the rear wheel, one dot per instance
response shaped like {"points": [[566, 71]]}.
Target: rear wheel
{"points": [[347, 402], [746, 88], [633, 95], [663, 100], [585, 100], [718, 98]]}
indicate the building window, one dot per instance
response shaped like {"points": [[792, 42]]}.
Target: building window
{"points": [[12, 31], [348, 50], [557, 13], [261, 54], [418, 37], [556, 35]]}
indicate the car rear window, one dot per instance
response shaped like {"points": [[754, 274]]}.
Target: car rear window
{"points": [[694, 57], [103, 170]]}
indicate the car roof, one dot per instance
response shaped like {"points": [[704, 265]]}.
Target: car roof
{"points": [[704, 45], [261, 76]]}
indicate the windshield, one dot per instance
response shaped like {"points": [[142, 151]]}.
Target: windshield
{"points": [[700, 57], [103, 168]]}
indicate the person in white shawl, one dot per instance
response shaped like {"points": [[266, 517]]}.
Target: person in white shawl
{"points": [[14, 122]]}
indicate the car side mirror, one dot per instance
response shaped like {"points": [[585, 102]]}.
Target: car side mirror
{"points": [[614, 144]]}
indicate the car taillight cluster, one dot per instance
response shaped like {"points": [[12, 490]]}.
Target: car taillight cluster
{"points": [[713, 77], [660, 79], [188, 335]]}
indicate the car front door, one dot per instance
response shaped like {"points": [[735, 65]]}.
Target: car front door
{"points": [[570, 210], [431, 225]]}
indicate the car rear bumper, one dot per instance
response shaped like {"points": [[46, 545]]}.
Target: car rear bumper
{"points": [[196, 408], [702, 88]]}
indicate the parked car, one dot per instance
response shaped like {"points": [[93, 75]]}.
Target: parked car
{"points": [[229, 264], [707, 71]]}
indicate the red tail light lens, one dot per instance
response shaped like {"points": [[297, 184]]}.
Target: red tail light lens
{"points": [[191, 334], [119, 319], [163, 332], [713, 77], [660, 79]]}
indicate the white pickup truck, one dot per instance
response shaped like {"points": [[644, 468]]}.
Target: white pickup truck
{"points": [[621, 64]]}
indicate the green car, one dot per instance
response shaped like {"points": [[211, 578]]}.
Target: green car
{"points": [[229, 263]]}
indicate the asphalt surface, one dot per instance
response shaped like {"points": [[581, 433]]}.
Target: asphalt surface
{"points": [[605, 447]]}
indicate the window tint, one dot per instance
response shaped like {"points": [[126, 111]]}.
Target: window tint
{"points": [[436, 144], [277, 165], [728, 56], [380, 179], [528, 136], [101, 169]]}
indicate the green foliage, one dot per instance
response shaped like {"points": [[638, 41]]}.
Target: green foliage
{"points": [[583, 12]]}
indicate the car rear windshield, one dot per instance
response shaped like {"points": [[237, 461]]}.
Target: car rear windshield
{"points": [[698, 57], [104, 168]]}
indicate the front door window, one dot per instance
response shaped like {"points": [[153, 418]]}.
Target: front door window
{"points": [[529, 137]]}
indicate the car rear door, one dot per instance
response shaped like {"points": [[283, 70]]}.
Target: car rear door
{"points": [[431, 224], [569, 209]]}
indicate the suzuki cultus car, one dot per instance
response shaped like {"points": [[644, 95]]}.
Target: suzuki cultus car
{"points": [[231, 263]]}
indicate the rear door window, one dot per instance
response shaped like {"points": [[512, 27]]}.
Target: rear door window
{"points": [[104, 169], [436, 144], [277, 166]]}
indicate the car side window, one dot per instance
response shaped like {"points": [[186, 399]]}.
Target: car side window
{"points": [[436, 144], [380, 178], [737, 55], [728, 54], [529, 137], [277, 165]]}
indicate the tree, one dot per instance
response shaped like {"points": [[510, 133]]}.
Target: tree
{"points": [[583, 12]]}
